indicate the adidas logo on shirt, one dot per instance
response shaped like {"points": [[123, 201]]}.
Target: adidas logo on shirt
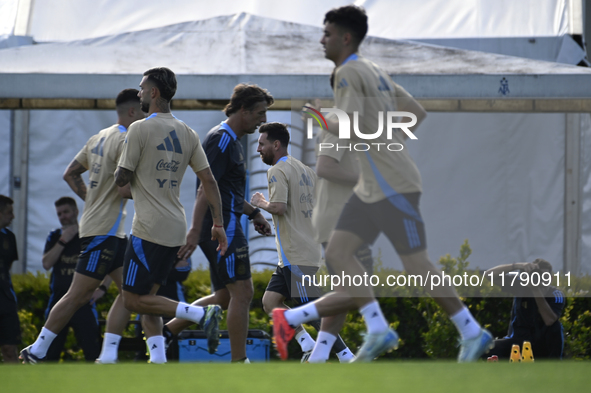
{"points": [[169, 145]]}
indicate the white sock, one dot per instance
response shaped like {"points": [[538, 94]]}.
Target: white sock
{"points": [[305, 313], [157, 349], [305, 340], [374, 319], [321, 352], [41, 345], [110, 348], [345, 356], [466, 324], [187, 311]]}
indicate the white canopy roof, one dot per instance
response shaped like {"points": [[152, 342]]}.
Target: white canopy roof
{"points": [[206, 52], [68, 20]]}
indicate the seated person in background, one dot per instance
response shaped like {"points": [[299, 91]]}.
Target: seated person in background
{"points": [[535, 316]]}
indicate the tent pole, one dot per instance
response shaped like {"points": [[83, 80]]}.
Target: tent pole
{"points": [[19, 184], [572, 195]]}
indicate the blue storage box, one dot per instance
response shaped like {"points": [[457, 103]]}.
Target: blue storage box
{"points": [[192, 346]]}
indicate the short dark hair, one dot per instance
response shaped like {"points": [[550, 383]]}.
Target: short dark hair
{"points": [[127, 95], [66, 200], [246, 96], [351, 18], [5, 201], [543, 264], [164, 79], [276, 132]]}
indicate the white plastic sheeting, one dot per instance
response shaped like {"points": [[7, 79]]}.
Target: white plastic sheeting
{"points": [[497, 181], [5, 152], [585, 177], [67, 20], [249, 44]]}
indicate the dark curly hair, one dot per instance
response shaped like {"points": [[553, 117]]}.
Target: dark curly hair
{"points": [[351, 18]]}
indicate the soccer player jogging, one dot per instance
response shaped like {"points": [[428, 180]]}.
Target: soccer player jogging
{"points": [[61, 260], [230, 273], [155, 156], [291, 190], [102, 236], [338, 172], [385, 199]]}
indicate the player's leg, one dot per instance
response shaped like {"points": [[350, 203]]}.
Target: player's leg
{"points": [[86, 329], [220, 296], [78, 294], [152, 326], [9, 353], [118, 316], [405, 229], [328, 338], [277, 291], [54, 352], [241, 293], [355, 227], [551, 344], [146, 267], [10, 331]]}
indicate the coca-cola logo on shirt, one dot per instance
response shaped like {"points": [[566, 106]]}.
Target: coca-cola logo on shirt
{"points": [[171, 166]]}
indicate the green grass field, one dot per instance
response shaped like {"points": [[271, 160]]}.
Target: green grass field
{"points": [[280, 377]]}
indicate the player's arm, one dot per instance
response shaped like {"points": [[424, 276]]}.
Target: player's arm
{"points": [[259, 221], [122, 176], [73, 176], [101, 290], [194, 233], [125, 191], [51, 256], [548, 315], [214, 201], [278, 208], [330, 169], [503, 269]]}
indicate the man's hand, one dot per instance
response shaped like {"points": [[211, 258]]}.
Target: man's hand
{"points": [[218, 233], [262, 225], [191, 244], [68, 232], [98, 293], [258, 200]]}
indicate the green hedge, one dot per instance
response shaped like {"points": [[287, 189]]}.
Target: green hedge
{"points": [[425, 330]]}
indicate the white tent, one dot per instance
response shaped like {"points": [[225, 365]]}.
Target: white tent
{"points": [[503, 180]]}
